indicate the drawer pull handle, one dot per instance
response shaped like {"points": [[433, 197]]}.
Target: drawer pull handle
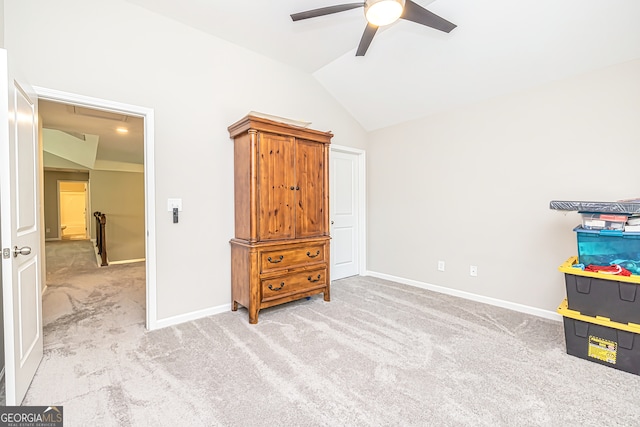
{"points": [[275, 261], [313, 280], [276, 289], [313, 256]]}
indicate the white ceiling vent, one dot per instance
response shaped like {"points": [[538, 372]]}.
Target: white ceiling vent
{"points": [[98, 114]]}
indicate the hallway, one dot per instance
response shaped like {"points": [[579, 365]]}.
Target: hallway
{"points": [[77, 289], [88, 313]]}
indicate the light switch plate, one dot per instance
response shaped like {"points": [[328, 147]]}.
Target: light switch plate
{"points": [[174, 203]]}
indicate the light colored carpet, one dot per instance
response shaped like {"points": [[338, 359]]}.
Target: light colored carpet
{"points": [[379, 354]]}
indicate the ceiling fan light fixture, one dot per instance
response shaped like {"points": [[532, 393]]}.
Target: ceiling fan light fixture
{"points": [[383, 12]]}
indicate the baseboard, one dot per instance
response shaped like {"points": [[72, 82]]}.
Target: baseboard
{"points": [[52, 239], [552, 315], [194, 315], [122, 261], [187, 317], [98, 257], [126, 261]]}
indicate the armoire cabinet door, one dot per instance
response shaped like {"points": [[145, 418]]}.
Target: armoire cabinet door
{"points": [[276, 177], [310, 198]]}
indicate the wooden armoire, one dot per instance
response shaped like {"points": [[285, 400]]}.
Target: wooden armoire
{"points": [[280, 252]]}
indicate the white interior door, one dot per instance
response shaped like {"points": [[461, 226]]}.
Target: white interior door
{"points": [[344, 215], [20, 234], [73, 218]]}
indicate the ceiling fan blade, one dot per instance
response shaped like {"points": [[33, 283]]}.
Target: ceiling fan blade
{"points": [[325, 11], [366, 39], [418, 14]]}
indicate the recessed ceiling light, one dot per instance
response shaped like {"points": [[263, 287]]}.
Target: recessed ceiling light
{"points": [[122, 130]]}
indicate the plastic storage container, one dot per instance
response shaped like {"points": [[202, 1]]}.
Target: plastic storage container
{"points": [[604, 247], [602, 341], [603, 221], [595, 294]]}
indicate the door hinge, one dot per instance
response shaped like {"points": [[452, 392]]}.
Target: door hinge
{"points": [[6, 253]]}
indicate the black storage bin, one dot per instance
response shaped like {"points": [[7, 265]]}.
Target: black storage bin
{"points": [[595, 294], [602, 341]]}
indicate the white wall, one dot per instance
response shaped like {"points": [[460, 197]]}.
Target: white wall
{"points": [[2, 24], [473, 186], [120, 196], [197, 86], [470, 186]]}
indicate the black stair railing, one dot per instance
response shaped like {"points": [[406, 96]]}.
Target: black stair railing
{"points": [[101, 242]]}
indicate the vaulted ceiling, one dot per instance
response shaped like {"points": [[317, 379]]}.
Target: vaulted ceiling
{"points": [[410, 71]]}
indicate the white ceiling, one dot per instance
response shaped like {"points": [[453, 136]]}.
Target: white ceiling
{"points": [[80, 122], [411, 71]]}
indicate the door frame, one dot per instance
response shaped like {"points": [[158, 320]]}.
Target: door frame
{"points": [[362, 201], [87, 225], [147, 114]]}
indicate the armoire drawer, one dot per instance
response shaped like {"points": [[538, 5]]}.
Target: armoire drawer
{"points": [[293, 283], [291, 257]]}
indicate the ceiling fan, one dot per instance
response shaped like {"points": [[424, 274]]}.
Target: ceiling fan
{"points": [[380, 13]]}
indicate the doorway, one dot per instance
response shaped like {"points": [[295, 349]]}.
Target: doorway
{"points": [[348, 224], [106, 107], [73, 206]]}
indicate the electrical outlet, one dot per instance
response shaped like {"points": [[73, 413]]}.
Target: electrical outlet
{"points": [[473, 270], [440, 265]]}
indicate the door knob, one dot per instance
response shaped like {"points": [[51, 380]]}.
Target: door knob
{"points": [[25, 250]]}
